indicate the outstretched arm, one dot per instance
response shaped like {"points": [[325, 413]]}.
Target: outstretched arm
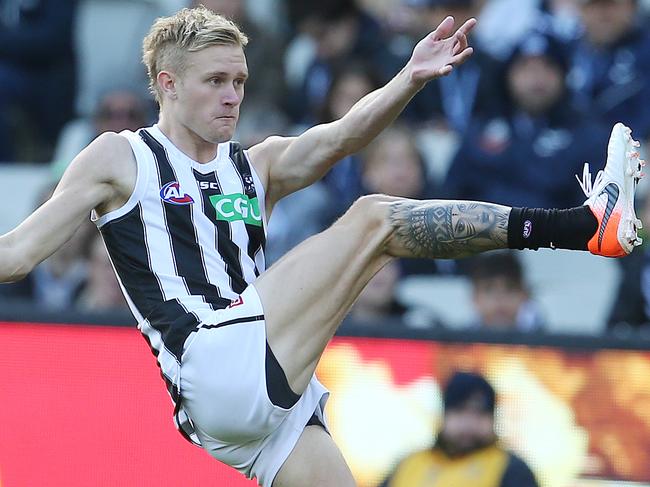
{"points": [[292, 163], [88, 183]]}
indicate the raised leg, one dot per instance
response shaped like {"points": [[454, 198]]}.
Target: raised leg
{"points": [[307, 293]]}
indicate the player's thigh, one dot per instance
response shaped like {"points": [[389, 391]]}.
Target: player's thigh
{"points": [[315, 461], [307, 293]]}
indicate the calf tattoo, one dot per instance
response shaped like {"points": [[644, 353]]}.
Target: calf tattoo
{"points": [[449, 229]]}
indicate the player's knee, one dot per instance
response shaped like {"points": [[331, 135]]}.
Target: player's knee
{"points": [[371, 214], [372, 210]]}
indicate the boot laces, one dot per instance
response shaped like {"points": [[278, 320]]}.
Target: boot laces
{"points": [[589, 188]]}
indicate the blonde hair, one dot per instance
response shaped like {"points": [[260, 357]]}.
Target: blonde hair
{"points": [[189, 30]]}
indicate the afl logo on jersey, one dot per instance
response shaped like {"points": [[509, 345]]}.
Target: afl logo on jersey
{"points": [[171, 193]]}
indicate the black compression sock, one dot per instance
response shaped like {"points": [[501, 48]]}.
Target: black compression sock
{"points": [[532, 228]]}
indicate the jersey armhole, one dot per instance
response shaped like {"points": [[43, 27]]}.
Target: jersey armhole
{"points": [[140, 183], [261, 190], [256, 177]]}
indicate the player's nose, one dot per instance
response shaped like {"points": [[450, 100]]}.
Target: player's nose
{"points": [[230, 96]]}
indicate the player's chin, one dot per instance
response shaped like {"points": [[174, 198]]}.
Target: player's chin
{"points": [[223, 134]]}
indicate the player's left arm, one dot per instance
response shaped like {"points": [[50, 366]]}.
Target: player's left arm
{"points": [[289, 164]]}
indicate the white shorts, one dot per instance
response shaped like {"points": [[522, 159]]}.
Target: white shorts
{"points": [[237, 396]]}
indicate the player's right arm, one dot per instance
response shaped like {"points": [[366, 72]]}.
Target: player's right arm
{"points": [[97, 178]]}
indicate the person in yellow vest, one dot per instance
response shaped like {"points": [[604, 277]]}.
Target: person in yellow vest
{"points": [[467, 452]]}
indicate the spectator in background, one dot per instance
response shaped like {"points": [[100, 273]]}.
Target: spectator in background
{"points": [[528, 156], [334, 31], [353, 79], [441, 112], [119, 108], [500, 295], [37, 74], [466, 452], [377, 301], [312, 209], [610, 68], [450, 101], [101, 291], [393, 165]]}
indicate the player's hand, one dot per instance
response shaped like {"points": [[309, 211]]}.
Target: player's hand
{"points": [[441, 50]]}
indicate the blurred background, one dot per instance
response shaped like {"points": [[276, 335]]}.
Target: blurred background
{"points": [[547, 80]]}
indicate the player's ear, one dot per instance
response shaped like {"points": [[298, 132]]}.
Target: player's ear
{"points": [[167, 83]]}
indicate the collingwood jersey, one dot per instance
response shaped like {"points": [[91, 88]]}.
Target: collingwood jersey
{"points": [[188, 241]]}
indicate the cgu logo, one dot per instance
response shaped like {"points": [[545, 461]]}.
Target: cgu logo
{"points": [[171, 193], [237, 207]]}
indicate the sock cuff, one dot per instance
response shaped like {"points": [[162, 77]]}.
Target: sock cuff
{"points": [[516, 229]]}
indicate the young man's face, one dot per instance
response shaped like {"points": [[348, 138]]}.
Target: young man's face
{"points": [[535, 83], [606, 21], [394, 168], [210, 91], [497, 301], [120, 110]]}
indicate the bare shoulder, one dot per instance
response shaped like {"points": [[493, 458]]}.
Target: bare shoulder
{"points": [[107, 163], [273, 145], [108, 156], [263, 155]]}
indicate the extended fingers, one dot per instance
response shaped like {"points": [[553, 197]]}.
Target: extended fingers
{"points": [[456, 60], [460, 43], [443, 30], [467, 26], [461, 57], [460, 37]]}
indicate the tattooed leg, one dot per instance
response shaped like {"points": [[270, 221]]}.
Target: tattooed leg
{"points": [[446, 229], [306, 294]]}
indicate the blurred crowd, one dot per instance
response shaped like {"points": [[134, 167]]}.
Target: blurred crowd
{"points": [[547, 80]]}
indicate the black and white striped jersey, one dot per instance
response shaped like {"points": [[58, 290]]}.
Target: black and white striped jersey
{"points": [[188, 241]]}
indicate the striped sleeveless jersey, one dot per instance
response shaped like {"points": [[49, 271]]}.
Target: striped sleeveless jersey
{"points": [[188, 241]]}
